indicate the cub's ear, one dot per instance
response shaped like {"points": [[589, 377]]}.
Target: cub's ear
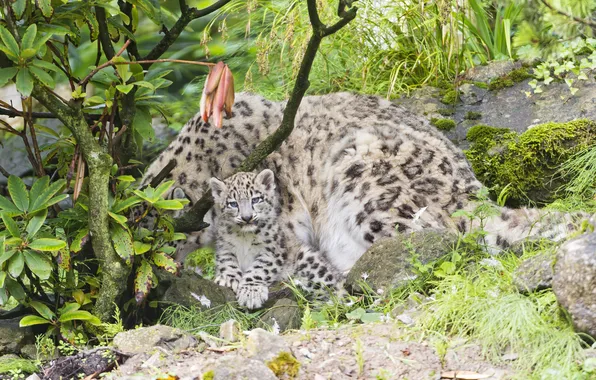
{"points": [[178, 193], [218, 188], [266, 179]]}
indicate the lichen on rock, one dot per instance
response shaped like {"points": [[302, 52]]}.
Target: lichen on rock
{"points": [[527, 162]]}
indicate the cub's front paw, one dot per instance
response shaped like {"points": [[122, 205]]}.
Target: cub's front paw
{"points": [[227, 281], [251, 295]]}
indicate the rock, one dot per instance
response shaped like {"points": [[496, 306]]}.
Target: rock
{"points": [[387, 264], [235, 368], [534, 274], [12, 362], [190, 289], [229, 331], [14, 338], [81, 365], [285, 314], [145, 339], [263, 345], [493, 70], [575, 280], [471, 94]]}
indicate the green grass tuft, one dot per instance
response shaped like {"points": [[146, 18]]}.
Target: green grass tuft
{"points": [[443, 124]]}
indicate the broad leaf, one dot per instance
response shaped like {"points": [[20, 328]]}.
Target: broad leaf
{"points": [[141, 247], [171, 204], [71, 306], [46, 7], [125, 88], [162, 188], [143, 281], [11, 44], [2, 278], [19, 8], [14, 289], [142, 124], [43, 199], [42, 76], [16, 265], [38, 187], [45, 65], [125, 204], [163, 261], [120, 219], [8, 207], [6, 256], [122, 242], [36, 222], [29, 37], [18, 192], [7, 74], [43, 310], [79, 315], [47, 245], [38, 264], [79, 241], [11, 225], [31, 320], [24, 82]]}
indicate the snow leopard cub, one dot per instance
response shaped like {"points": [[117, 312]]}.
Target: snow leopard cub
{"points": [[252, 248]]}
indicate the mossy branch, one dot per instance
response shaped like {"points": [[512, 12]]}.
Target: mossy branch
{"points": [[114, 271], [193, 219]]}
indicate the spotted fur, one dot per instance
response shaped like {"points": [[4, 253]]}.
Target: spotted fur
{"points": [[356, 169]]}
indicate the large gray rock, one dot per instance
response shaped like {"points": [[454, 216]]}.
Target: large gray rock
{"points": [[285, 314], [13, 339], [574, 281], [147, 339], [240, 368], [263, 345], [534, 274], [387, 264]]}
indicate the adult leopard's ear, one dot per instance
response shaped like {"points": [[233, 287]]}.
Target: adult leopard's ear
{"points": [[218, 188], [266, 179]]}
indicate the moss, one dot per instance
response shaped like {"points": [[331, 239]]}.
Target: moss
{"points": [[446, 111], [450, 97], [528, 161], [481, 85], [472, 115], [510, 78], [284, 364], [8, 364], [209, 375], [443, 124]]}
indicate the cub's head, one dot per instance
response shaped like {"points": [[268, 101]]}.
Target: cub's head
{"points": [[245, 199]]}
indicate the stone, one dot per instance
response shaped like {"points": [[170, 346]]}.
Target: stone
{"points": [[230, 331], [470, 94], [190, 289], [145, 339], [285, 314], [263, 345], [495, 69], [239, 368], [387, 264], [14, 338], [534, 274], [574, 281]]}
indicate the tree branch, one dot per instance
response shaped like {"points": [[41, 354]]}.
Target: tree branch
{"points": [[188, 15], [39, 115], [193, 219], [104, 34]]}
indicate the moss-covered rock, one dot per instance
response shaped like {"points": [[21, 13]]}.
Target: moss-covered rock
{"points": [[450, 97], [472, 115], [443, 124], [527, 162], [510, 79], [284, 366], [12, 363]]}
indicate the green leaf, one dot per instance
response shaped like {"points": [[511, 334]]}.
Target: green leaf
{"points": [[14, 289], [7, 74], [29, 37], [39, 264], [162, 188], [122, 242], [18, 192], [45, 65], [42, 200], [371, 317], [16, 265], [11, 225], [47, 244], [143, 83], [36, 222], [19, 7], [8, 207], [79, 241], [38, 187], [141, 247], [79, 315], [143, 281], [120, 219], [6, 256], [42, 76], [2, 278], [28, 53], [31, 320], [178, 236], [125, 88], [356, 314], [142, 123], [163, 261], [46, 8], [56, 199], [171, 204], [9, 42], [126, 178], [71, 306], [43, 310], [24, 82]]}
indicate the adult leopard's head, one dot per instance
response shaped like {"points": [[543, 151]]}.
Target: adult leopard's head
{"points": [[245, 200]]}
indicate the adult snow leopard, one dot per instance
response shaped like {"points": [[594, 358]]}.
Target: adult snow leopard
{"points": [[356, 169]]}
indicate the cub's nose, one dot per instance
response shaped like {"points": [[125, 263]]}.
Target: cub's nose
{"points": [[247, 219]]}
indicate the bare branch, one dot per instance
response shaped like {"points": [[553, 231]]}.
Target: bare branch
{"points": [[104, 34], [4, 172], [38, 115]]}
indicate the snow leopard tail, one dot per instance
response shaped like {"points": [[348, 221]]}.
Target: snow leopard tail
{"points": [[509, 226]]}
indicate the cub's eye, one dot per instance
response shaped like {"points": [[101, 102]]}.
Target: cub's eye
{"points": [[233, 204], [256, 200]]}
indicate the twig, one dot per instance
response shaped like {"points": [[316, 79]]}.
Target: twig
{"points": [[38, 115], [163, 173], [193, 219], [563, 13], [126, 8], [29, 120], [104, 34], [4, 172]]}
